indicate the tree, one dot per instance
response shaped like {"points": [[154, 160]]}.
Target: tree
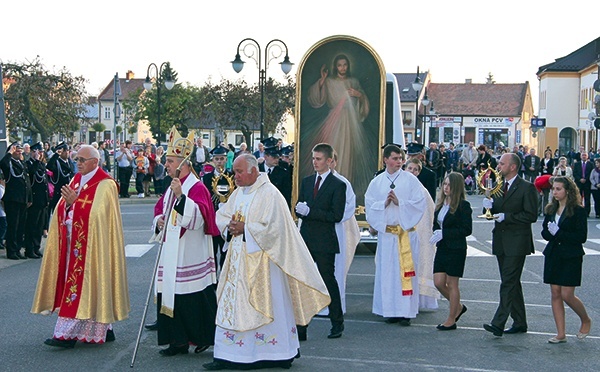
{"points": [[42, 101], [99, 127]]}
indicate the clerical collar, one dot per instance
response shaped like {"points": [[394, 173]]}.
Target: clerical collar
{"points": [[86, 177]]}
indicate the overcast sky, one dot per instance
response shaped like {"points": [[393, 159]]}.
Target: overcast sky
{"points": [[454, 40]]}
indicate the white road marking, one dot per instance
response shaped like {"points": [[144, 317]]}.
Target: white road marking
{"points": [[137, 250]]}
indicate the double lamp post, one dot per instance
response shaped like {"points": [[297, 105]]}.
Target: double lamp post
{"points": [[417, 85], [251, 49], [169, 83]]}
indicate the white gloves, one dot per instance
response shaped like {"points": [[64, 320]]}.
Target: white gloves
{"points": [[302, 208], [436, 237], [553, 228], [499, 217], [488, 203]]}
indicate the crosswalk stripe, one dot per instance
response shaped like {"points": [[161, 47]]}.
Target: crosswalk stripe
{"points": [[474, 252], [137, 250]]}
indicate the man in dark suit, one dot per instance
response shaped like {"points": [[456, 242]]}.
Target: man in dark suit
{"points": [[532, 166], [279, 176], [321, 204], [433, 161], [17, 198], [581, 173], [514, 212], [37, 213], [427, 177]]}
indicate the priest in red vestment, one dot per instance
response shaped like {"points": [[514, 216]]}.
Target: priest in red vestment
{"points": [[83, 276]]}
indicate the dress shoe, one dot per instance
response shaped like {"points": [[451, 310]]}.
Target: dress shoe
{"points": [[200, 349], [32, 255], [217, 365], [66, 344], [442, 327], [405, 322], [152, 326], [336, 331], [110, 336], [582, 335], [38, 253], [493, 329], [512, 330], [174, 350], [464, 310], [12, 257], [20, 256], [392, 320], [555, 340]]}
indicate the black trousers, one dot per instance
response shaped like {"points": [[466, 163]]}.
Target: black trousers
{"points": [[218, 243], [326, 266], [587, 202], [124, 179], [512, 302], [16, 214], [34, 229]]}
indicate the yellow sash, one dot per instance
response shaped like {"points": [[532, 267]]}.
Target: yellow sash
{"points": [[407, 266]]}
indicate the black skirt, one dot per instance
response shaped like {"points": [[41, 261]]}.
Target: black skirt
{"points": [[563, 271], [193, 319], [450, 261]]}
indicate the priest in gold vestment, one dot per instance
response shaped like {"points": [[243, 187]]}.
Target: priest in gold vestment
{"points": [[269, 282], [83, 276]]}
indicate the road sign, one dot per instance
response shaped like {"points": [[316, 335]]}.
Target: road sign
{"points": [[538, 123]]}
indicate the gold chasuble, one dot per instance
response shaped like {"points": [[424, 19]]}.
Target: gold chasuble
{"points": [[84, 276], [244, 290]]}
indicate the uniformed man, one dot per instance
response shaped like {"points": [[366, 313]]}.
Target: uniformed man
{"points": [[221, 184], [62, 172], [279, 176], [287, 159], [17, 198], [37, 213], [427, 176]]}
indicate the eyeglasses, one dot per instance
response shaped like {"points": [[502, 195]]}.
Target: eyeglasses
{"points": [[82, 160]]}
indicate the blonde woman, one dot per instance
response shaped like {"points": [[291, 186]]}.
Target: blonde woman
{"points": [[563, 169]]}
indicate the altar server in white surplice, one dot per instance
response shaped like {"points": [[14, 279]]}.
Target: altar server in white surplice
{"points": [[399, 209]]}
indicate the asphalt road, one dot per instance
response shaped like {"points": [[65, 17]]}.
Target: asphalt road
{"points": [[367, 344]]}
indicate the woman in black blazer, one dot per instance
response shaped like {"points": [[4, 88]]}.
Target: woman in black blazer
{"points": [[547, 164], [565, 229], [451, 225]]}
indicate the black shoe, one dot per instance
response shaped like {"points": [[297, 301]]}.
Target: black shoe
{"points": [[336, 331], [38, 253], [405, 322], [152, 326], [442, 327], [110, 336], [301, 332], [174, 350], [65, 344], [512, 330], [464, 310], [12, 257], [200, 349], [216, 365], [493, 329], [20, 256], [392, 320], [32, 255]]}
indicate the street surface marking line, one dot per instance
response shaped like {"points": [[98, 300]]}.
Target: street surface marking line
{"points": [[137, 250], [474, 252]]}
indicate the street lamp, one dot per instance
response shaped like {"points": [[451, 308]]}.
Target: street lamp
{"points": [[116, 112], [428, 116], [238, 65], [169, 83], [417, 85]]}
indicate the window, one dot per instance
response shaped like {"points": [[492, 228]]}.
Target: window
{"points": [[407, 118], [107, 113]]}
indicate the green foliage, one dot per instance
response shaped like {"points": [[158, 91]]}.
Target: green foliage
{"points": [[42, 101], [99, 127]]}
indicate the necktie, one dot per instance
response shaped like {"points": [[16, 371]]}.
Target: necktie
{"points": [[583, 169], [269, 171], [316, 189], [505, 188]]}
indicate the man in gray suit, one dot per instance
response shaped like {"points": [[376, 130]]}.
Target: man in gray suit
{"points": [[514, 211]]}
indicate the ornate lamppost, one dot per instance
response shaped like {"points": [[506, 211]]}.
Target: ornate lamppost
{"points": [[251, 49], [169, 83]]}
